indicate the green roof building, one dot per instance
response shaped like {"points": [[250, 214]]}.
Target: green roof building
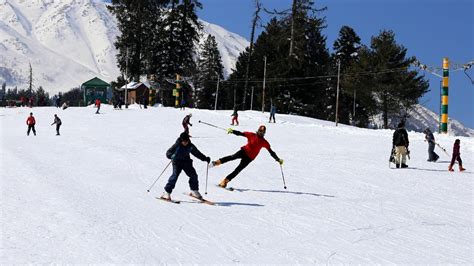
{"points": [[93, 89]]}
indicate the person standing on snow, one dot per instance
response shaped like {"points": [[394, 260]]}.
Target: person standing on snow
{"points": [[400, 142], [235, 117], [456, 156], [432, 156], [273, 110], [97, 103], [179, 154], [58, 123], [186, 122], [247, 153], [31, 122]]}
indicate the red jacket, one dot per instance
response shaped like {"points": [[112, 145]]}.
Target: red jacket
{"points": [[97, 102], [30, 120], [254, 144]]}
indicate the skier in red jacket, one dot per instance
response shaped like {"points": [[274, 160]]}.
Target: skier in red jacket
{"points": [[97, 103], [30, 121], [247, 153]]}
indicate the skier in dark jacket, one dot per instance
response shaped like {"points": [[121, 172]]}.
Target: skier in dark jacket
{"points": [[432, 156], [186, 122], [400, 142], [58, 123], [179, 154], [247, 153], [456, 156]]}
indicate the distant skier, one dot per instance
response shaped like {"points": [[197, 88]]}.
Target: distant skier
{"points": [[247, 153], [272, 114], [432, 156], [400, 142], [182, 104], [186, 122], [97, 103], [179, 154], [58, 123], [65, 105], [31, 122], [235, 117], [456, 156], [58, 102]]}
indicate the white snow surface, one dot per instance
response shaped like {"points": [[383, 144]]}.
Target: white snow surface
{"points": [[69, 42], [82, 197]]}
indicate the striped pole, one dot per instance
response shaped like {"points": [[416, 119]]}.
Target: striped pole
{"points": [[178, 87], [444, 97]]}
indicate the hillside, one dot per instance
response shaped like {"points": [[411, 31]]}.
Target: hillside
{"points": [[68, 42], [81, 197]]}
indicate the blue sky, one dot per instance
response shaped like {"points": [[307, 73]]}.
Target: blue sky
{"points": [[429, 29]]}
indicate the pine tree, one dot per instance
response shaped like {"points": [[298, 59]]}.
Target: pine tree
{"points": [[384, 80], [346, 49], [210, 69]]}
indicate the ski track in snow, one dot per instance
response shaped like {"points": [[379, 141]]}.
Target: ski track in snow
{"points": [[81, 197]]}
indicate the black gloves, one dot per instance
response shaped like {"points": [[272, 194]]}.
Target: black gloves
{"points": [[208, 159]]}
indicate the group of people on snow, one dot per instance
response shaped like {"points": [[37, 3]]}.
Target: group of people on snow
{"points": [[179, 154], [31, 122], [400, 151]]}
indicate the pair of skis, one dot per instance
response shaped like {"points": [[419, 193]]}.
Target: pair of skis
{"points": [[200, 200]]}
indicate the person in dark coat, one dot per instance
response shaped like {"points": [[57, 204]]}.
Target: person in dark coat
{"points": [[456, 156], [400, 142], [186, 122], [58, 123], [235, 117], [179, 154], [31, 122], [432, 156], [247, 153]]}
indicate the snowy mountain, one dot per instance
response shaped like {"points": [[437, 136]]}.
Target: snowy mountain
{"points": [[421, 118], [81, 198], [68, 42]]}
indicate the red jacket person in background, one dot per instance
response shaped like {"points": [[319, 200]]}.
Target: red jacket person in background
{"points": [[247, 153], [456, 156], [97, 103], [30, 121]]}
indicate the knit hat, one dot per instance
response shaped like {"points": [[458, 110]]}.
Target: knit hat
{"points": [[184, 136]]}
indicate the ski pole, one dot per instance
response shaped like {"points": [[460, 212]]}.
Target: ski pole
{"points": [[207, 174], [283, 176], [443, 149], [211, 125], [148, 190]]}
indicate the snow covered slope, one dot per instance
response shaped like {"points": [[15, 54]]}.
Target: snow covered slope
{"points": [[69, 42], [81, 197]]}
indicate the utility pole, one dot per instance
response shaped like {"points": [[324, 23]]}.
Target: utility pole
{"points": [[126, 79], [264, 76], [337, 92]]}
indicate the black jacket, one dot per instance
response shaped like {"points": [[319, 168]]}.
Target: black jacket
{"points": [[179, 152], [400, 138]]}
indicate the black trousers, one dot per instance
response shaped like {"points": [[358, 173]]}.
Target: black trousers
{"points": [[57, 128], [244, 161], [456, 157], [31, 127], [188, 168]]}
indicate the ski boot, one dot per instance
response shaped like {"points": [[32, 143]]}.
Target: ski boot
{"points": [[195, 194], [166, 196], [461, 168], [224, 182]]}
